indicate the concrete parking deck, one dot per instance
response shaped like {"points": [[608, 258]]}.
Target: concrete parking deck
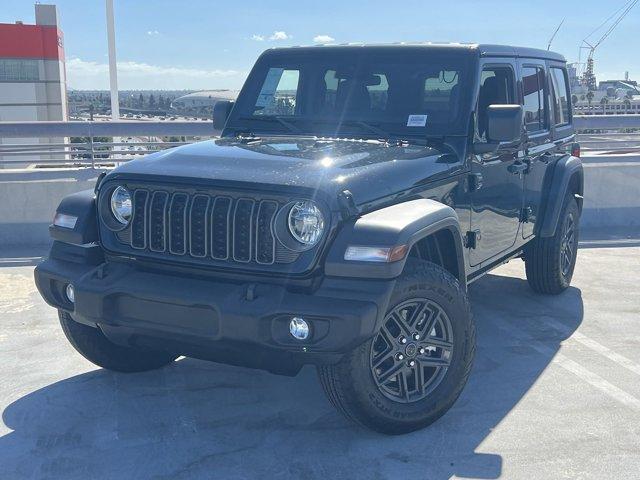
{"points": [[554, 393]]}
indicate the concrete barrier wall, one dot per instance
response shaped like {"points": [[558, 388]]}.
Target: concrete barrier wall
{"points": [[28, 201], [611, 191], [28, 198]]}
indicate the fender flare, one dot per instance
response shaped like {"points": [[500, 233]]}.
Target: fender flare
{"points": [[565, 169], [400, 224], [83, 206]]}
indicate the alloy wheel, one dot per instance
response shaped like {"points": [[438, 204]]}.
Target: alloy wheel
{"points": [[412, 352], [567, 245]]}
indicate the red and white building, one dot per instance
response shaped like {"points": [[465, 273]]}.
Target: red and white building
{"points": [[32, 72]]}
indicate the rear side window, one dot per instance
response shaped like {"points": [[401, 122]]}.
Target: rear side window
{"points": [[533, 89], [560, 96]]}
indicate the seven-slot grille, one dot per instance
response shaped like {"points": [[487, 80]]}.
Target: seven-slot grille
{"points": [[204, 226]]}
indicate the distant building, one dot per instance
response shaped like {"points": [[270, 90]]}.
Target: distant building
{"points": [[607, 102], [616, 84], [32, 73], [613, 97], [201, 103]]}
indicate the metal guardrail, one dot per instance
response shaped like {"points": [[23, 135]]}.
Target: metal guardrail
{"points": [[615, 133], [608, 133], [146, 137], [606, 122]]}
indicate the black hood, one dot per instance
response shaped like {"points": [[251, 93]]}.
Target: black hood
{"points": [[370, 170]]}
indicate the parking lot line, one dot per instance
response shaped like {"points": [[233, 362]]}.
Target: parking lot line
{"points": [[597, 381], [563, 361], [597, 347]]}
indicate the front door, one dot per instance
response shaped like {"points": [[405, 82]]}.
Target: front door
{"points": [[497, 177]]}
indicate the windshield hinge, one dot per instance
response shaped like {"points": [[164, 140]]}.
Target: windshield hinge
{"points": [[347, 204]]}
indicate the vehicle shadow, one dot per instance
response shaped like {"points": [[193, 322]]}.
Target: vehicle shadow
{"points": [[196, 419]]}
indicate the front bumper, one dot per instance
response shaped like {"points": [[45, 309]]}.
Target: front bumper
{"points": [[240, 322]]}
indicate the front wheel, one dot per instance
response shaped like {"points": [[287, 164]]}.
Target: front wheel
{"points": [[94, 346], [413, 370]]}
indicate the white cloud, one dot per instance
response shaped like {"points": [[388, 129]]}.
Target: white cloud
{"points": [[279, 35], [323, 39], [152, 33], [257, 38], [83, 74]]}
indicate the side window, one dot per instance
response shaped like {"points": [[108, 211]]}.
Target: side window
{"points": [[278, 93], [496, 88], [560, 96], [533, 90]]}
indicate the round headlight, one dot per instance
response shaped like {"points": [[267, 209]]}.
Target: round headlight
{"points": [[306, 222], [121, 205]]}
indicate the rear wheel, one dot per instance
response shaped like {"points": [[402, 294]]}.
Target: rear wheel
{"points": [[94, 346], [550, 261], [413, 370]]}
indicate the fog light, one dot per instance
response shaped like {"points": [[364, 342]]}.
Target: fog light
{"points": [[299, 328], [71, 294]]}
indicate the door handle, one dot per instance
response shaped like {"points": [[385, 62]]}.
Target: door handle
{"points": [[517, 168]]}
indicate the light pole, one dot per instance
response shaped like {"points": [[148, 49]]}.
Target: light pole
{"points": [[113, 72]]}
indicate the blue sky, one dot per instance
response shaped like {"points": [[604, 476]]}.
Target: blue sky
{"points": [[197, 44]]}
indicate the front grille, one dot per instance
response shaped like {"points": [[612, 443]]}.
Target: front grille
{"points": [[209, 227]]}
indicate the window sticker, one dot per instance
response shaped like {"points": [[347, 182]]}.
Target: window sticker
{"points": [[268, 91], [417, 121]]}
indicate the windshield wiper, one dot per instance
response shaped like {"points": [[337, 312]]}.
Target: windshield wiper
{"points": [[368, 126], [271, 118], [381, 134]]}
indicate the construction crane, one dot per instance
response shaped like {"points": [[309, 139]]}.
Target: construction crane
{"points": [[555, 32], [588, 77]]}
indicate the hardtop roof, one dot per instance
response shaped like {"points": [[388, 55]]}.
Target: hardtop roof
{"points": [[483, 50]]}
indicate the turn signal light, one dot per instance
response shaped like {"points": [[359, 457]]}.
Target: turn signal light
{"points": [[64, 220], [360, 253]]}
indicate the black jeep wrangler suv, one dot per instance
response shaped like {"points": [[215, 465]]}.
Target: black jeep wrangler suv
{"points": [[354, 193]]}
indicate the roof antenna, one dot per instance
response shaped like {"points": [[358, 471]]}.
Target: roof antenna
{"points": [[554, 34]]}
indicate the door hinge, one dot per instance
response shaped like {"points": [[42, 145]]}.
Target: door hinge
{"points": [[525, 214], [475, 181], [472, 239]]}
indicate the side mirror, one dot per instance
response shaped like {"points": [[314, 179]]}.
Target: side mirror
{"points": [[504, 123], [221, 111]]}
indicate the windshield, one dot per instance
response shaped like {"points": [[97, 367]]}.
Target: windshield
{"points": [[364, 92]]}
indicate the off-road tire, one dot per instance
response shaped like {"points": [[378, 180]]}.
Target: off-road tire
{"points": [[350, 384], [543, 256], [94, 346]]}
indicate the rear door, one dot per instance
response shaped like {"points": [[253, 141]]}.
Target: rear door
{"points": [[498, 187], [534, 90]]}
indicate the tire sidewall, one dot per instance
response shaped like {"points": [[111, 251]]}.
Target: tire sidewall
{"points": [[570, 210], [374, 403]]}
